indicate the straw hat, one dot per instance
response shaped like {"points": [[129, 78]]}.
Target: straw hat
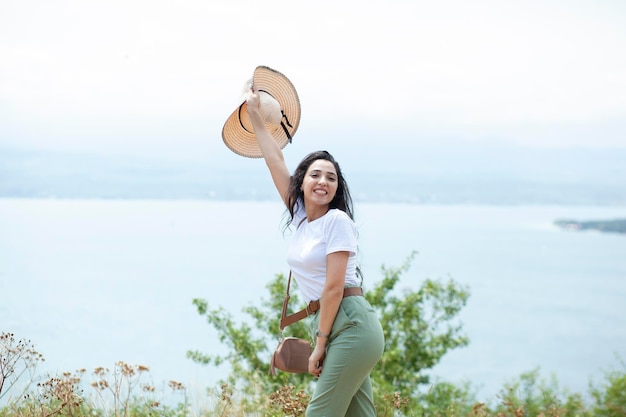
{"points": [[280, 107]]}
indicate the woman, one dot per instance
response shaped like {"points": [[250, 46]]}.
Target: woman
{"points": [[348, 337]]}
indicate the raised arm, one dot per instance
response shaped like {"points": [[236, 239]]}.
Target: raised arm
{"points": [[272, 153]]}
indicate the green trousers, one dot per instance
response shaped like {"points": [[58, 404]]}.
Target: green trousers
{"points": [[355, 346]]}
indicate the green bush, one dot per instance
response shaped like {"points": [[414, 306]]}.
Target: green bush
{"points": [[420, 328], [610, 397]]}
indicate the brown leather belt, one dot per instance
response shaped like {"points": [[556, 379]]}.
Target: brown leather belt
{"points": [[314, 306]]}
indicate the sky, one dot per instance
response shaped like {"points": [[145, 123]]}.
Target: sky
{"points": [[161, 77]]}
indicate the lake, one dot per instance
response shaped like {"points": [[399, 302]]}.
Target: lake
{"points": [[93, 282]]}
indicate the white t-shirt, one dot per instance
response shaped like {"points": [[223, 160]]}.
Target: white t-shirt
{"points": [[312, 241]]}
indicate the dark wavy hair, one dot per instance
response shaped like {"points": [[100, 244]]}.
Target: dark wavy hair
{"points": [[295, 196]]}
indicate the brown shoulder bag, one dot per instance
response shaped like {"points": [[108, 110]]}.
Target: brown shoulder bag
{"points": [[291, 354]]}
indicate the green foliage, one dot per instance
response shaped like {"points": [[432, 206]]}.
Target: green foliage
{"points": [[610, 397], [250, 346], [444, 398], [419, 329], [535, 396], [525, 396]]}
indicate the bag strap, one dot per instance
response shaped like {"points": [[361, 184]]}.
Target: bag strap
{"points": [[283, 314], [312, 307], [287, 320]]}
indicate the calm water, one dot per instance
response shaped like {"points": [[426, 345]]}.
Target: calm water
{"points": [[95, 282]]}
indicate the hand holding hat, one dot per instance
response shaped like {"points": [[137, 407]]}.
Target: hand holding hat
{"points": [[266, 105], [277, 101]]}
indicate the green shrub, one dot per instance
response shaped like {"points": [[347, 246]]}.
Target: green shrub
{"points": [[610, 397]]}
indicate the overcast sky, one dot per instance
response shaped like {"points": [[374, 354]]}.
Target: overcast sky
{"points": [[120, 75]]}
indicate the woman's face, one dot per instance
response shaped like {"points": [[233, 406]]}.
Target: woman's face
{"points": [[320, 183]]}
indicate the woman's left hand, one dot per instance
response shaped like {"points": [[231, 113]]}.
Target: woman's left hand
{"points": [[316, 360]]}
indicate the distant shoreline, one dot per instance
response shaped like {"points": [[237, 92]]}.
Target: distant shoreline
{"points": [[441, 175], [607, 226]]}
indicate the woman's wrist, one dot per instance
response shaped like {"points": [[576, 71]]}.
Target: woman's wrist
{"points": [[321, 342], [258, 124], [255, 115], [319, 333]]}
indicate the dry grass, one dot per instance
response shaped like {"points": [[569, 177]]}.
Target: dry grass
{"points": [[126, 391]]}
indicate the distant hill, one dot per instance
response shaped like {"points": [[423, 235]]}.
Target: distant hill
{"points": [[491, 175], [608, 226]]}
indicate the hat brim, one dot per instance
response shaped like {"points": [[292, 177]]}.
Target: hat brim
{"points": [[238, 133]]}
